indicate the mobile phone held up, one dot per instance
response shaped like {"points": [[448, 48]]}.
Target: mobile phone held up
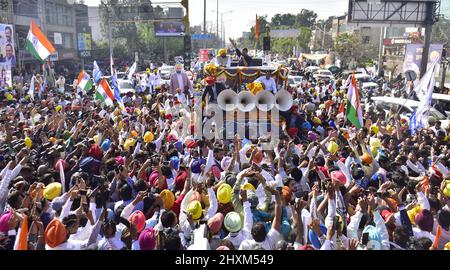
{"points": [[365, 239]]}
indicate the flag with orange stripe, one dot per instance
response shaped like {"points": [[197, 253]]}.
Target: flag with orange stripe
{"points": [[37, 43], [104, 93]]}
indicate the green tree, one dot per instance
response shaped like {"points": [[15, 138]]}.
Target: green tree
{"points": [[306, 18], [262, 22], [441, 31], [350, 47], [304, 38], [287, 19]]}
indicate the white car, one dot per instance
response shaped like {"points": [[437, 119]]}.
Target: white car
{"points": [[407, 107], [298, 79], [312, 69], [366, 81], [371, 86], [121, 75], [323, 74], [125, 87], [444, 99], [166, 72]]}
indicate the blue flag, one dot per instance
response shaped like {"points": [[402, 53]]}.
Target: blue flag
{"points": [[97, 73], [115, 86]]}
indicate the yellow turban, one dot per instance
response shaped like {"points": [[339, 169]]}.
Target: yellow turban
{"points": [[223, 52]]}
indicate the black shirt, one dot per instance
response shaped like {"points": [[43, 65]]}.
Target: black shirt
{"points": [[247, 58]]}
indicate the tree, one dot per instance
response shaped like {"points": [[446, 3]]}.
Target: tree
{"points": [[441, 31], [304, 38], [262, 22], [350, 47], [283, 20], [306, 18]]}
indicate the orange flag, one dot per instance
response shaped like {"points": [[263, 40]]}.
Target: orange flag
{"points": [[342, 107], [438, 236], [23, 237], [257, 28]]}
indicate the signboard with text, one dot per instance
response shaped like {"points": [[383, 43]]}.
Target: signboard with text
{"points": [[84, 42], [204, 55]]}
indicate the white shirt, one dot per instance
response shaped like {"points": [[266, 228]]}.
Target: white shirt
{"points": [[149, 80], [269, 84], [418, 233], [181, 97], [110, 244], [272, 237], [156, 80]]}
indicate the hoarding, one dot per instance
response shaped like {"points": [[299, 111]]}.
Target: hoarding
{"points": [[84, 42], [169, 29], [204, 55], [389, 12], [413, 57], [5, 76], [7, 52]]}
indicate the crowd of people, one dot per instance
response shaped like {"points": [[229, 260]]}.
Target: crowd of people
{"points": [[79, 175]]}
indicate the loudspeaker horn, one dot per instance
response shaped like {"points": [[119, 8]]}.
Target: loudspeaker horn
{"points": [[283, 100], [265, 101], [227, 100], [246, 101]]}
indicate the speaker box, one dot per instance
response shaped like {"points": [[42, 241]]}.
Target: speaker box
{"points": [[256, 62], [266, 44]]}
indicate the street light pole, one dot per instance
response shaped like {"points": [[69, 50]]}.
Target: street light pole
{"points": [[217, 32], [111, 48], [204, 23]]}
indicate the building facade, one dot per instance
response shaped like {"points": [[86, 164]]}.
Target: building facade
{"points": [[94, 17], [57, 20]]}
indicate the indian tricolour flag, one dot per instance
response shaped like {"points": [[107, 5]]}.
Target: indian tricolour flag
{"points": [[37, 43], [353, 110], [84, 81], [104, 93]]}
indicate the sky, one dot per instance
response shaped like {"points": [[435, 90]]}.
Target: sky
{"points": [[243, 14]]}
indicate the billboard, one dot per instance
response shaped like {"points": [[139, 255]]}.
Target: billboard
{"points": [[169, 29], [5, 76], [413, 57], [204, 55], [388, 12], [7, 52], [84, 42]]}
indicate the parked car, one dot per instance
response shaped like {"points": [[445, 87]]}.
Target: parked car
{"points": [[407, 107], [323, 74], [312, 69], [125, 87], [166, 72], [443, 100]]}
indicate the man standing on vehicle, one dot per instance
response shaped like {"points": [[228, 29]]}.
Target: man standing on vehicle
{"points": [[245, 60], [269, 83], [179, 80]]}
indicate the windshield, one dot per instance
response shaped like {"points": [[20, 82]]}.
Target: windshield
{"points": [[364, 79], [325, 73], [291, 81], [125, 85], [298, 79]]}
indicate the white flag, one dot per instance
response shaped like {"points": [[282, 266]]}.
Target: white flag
{"points": [[132, 71], [32, 87], [424, 84], [419, 119]]}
